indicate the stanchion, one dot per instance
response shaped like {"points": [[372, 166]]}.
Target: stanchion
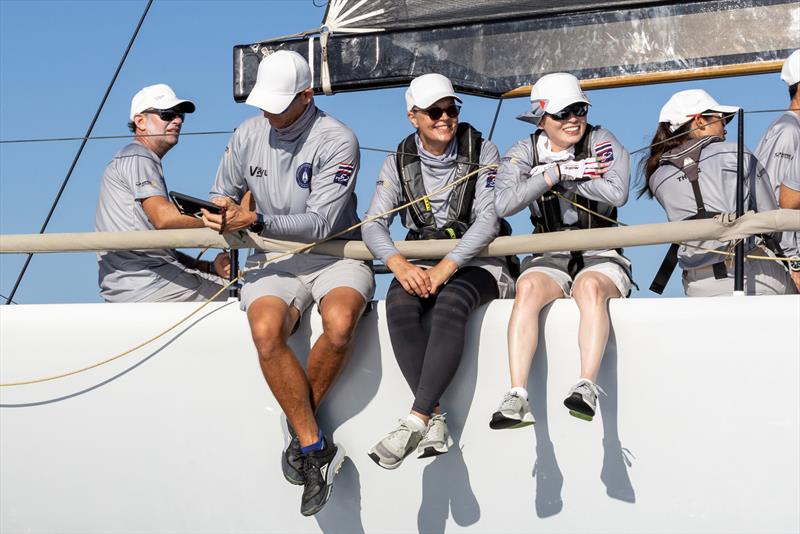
{"points": [[233, 291], [738, 270]]}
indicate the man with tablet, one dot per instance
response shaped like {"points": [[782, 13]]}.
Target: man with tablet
{"points": [[300, 165], [133, 196]]}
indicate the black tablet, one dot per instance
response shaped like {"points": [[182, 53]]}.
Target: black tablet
{"points": [[191, 206]]}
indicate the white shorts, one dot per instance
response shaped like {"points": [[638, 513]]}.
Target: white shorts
{"points": [[302, 279], [189, 286], [761, 277], [609, 263]]}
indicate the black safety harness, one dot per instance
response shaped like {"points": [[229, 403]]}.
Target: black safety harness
{"points": [[550, 207], [409, 169], [686, 158]]}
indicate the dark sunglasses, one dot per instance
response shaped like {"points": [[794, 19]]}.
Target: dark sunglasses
{"points": [[579, 109], [436, 113], [166, 115]]}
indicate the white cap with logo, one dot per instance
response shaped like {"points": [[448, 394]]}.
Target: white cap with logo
{"points": [[684, 106], [158, 96], [790, 73], [424, 91], [281, 75], [551, 93]]}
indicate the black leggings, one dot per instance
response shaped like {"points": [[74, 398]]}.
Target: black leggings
{"points": [[429, 360]]}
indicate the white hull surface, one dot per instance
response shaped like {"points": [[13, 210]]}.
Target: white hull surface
{"points": [[698, 432]]}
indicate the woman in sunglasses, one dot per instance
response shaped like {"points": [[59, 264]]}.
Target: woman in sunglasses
{"points": [[691, 171], [439, 153], [571, 175]]}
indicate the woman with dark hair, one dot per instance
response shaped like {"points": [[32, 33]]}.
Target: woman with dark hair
{"points": [[691, 171], [441, 151]]}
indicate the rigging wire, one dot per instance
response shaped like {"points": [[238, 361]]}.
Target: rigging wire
{"points": [[80, 149]]}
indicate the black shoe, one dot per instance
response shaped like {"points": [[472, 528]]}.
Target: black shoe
{"points": [[292, 458], [319, 468]]}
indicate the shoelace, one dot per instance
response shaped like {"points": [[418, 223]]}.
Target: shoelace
{"points": [[399, 430], [508, 401]]}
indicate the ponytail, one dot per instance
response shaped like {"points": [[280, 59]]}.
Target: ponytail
{"points": [[663, 141]]}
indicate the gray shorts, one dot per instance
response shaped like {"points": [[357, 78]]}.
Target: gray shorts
{"points": [[189, 286], [302, 279], [761, 277], [610, 263]]}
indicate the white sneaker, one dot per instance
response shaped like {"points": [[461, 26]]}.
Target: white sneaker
{"points": [[437, 438], [582, 399], [513, 412], [390, 452]]}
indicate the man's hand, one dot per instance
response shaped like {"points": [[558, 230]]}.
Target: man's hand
{"points": [[415, 280], [222, 265], [441, 273], [233, 217], [796, 278]]}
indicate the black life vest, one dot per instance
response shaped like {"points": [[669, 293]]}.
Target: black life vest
{"points": [[409, 169], [549, 206]]}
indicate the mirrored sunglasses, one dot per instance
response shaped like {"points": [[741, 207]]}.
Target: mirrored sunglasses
{"points": [[166, 115], [579, 109], [436, 113]]}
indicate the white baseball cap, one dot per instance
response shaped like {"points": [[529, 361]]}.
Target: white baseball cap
{"points": [[281, 75], [424, 91], [551, 93], [684, 106], [158, 96], [790, 73]]}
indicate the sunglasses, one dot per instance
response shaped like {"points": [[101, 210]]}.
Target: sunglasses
{"points": [[579, 109], [436, 113], [166, 115]]}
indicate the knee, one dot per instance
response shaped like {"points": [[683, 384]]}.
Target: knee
{"points": [[590, 289], [530, 293], [339, 326], [268, 338]]}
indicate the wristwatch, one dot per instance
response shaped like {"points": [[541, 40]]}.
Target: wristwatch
{"points": [[794, 265], [258, 226]]}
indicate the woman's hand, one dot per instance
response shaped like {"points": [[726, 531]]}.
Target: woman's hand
{"points": [[222, 265], [415, 280], [441, 273]]}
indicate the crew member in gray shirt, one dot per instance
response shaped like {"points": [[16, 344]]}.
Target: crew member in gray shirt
{"points": [[300, 165], [691, 171], [779, 152], [133, 196], [565, 158], [440, 152]]}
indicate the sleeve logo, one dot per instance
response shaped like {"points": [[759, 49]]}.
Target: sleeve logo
{"points": [[491, 177], [604, 151], [303, 176], [343, 173]]}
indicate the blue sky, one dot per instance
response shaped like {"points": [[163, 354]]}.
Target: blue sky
{"points": [[56, 59]]}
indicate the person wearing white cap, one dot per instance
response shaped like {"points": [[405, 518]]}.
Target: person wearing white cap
{"points": [[691, 171], [779, 152], [564, 164], [300, 166], [439, 152], [133, 196]]}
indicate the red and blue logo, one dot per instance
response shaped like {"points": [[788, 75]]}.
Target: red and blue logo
{"points": [[343, 173], [491, 177], [604, 152], [303, 176]]}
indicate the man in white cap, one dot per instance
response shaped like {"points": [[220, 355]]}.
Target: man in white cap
{"points": [[133, 196], [300, 165], [779, 152]]}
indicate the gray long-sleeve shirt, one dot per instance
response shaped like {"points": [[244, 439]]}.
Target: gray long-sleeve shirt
{"points": [[302, 177], [438, 171], [779, 152], [517, 188], [717, 181]]}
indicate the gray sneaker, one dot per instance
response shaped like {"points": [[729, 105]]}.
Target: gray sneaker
{"points": [[437, 438], [292, 458], [582, 400], [514, 412], [390, 452]]}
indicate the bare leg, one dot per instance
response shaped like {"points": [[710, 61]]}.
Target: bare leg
{"points": [[534, 292], [271, 321], [591, 292], [341, 310]]}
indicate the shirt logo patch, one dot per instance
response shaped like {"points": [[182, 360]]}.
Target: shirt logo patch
{"points": [[257, 172], [604, 151], [343, 174], [303, 176], [491, 177]]}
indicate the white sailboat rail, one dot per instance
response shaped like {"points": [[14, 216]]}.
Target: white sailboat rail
{"points": [[725, 227]]}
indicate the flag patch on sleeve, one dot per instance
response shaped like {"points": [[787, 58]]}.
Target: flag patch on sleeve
{"points": [[343, 174], [604, 151], [491, 177]]}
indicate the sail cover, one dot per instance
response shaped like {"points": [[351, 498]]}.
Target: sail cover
{"points": [[493, 48]]}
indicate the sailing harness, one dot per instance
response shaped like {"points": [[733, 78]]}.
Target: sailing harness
{"points": [[409, 169], [685, 158], [549, 205]]}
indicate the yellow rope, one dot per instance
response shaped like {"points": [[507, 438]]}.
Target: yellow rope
{"points": [[297, 250]]}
